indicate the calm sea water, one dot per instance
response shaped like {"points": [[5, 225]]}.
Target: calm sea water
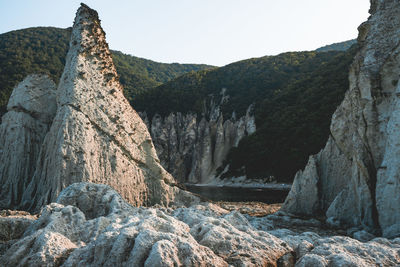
{"points": [[237, 194]]}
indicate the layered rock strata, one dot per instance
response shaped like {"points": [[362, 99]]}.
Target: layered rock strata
{"points": [[30, 111], [95, 135], [357, 175], [191, 149]]}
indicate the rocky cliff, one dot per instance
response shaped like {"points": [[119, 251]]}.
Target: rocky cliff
{"points": [[31, 109], [192, 149], [95, 135], [355, 179]]}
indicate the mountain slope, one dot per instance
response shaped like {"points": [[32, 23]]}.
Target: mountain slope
{"points": [[341, 46], [294, 122], [294, 93], [43, 50]]}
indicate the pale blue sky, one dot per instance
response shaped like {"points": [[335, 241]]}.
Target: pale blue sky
{"points": [[215, 32]]}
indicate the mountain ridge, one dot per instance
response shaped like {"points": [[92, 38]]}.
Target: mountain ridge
{"points": [[339, 46], [43, 50]]}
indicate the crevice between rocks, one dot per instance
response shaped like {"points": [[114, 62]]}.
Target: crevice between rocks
{"points": [[372, 174]]}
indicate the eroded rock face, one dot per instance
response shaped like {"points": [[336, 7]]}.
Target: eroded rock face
{"points": [[96, 136], [315, 188], [192, 149], [30, 111], [365, 187], [345, 251], [92, 225], [14, 224]]}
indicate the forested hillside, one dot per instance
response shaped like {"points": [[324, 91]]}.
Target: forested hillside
{"points": [[294, 122], [43, 50], [295, 95], [341, 46]]}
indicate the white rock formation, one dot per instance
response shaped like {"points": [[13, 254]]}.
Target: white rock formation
{"points": [[192, 149], [315, 188], [364, 149], [328, 249], [30, 111], [13, 224], [96, 136], [91, 225], [344, 251]]}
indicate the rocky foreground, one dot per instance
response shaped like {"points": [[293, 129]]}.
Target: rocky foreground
{"points": [[91, 225]]}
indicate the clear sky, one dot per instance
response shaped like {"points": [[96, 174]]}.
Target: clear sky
{"points": [[215, 32]]}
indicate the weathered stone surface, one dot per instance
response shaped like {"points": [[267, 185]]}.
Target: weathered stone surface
{"points": [[344, 251], [313, 250], [13, 227], [94, 200], [365, 130], [315, 188], [108, 231], [91, 225], [192, 149], [96, 136], [363, 236], [30, 111], [232, 237], [304, 195], [43, 248]]}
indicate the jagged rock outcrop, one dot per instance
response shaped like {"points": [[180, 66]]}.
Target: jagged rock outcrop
{"points": [[314, 250], [13, 224], [95, 135], [30, 111], [315, 188], [92, 225], [363, 153], [192, 149]]}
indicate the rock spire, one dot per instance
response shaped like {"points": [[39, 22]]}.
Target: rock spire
{"points": [[95, 135]]}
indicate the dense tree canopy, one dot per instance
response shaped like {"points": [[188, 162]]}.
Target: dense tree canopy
{"points": [[43, 50], [294, 122], [342, 46], [294, 93]]}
